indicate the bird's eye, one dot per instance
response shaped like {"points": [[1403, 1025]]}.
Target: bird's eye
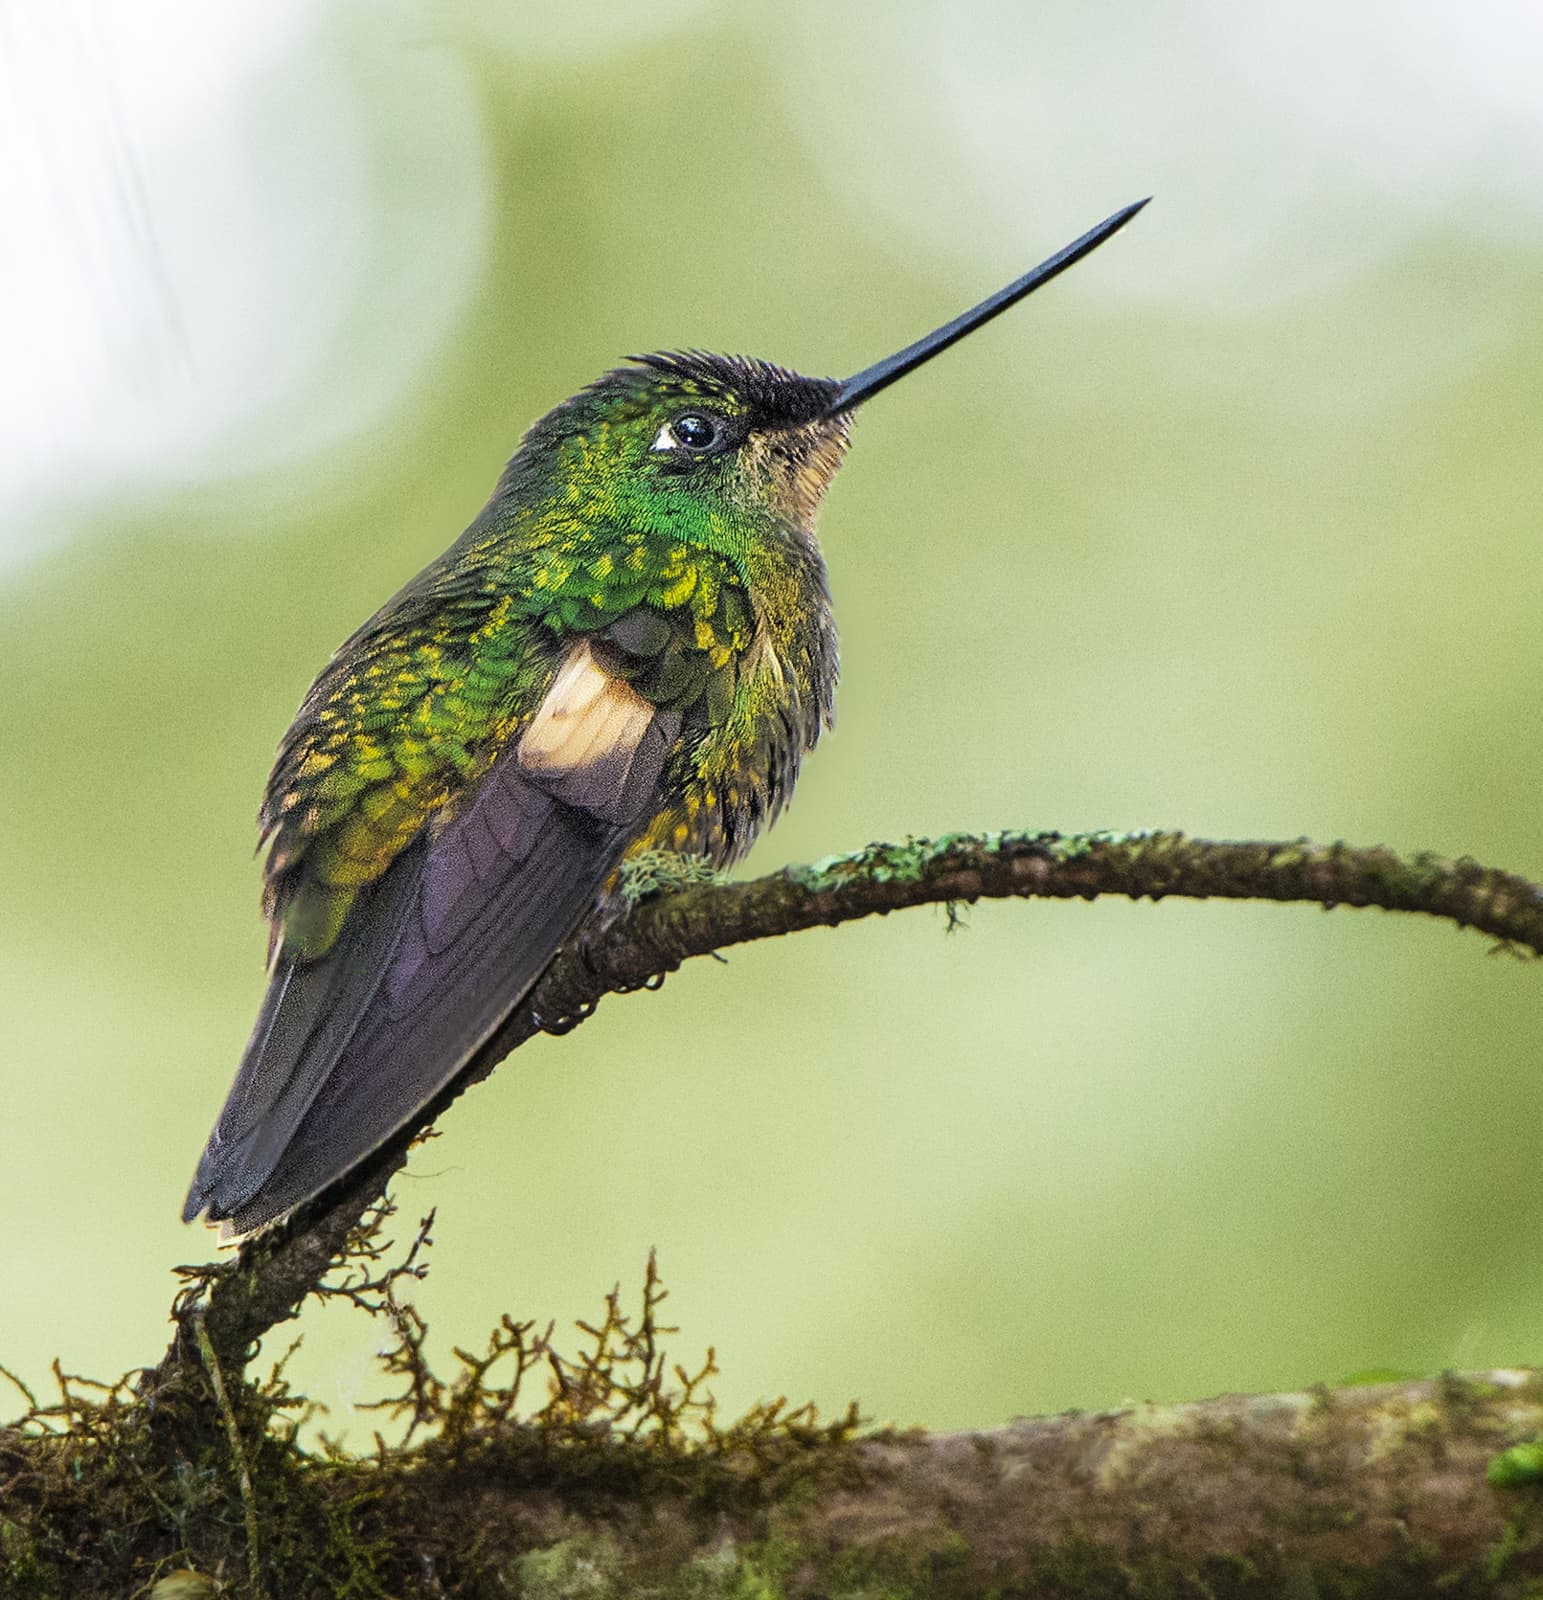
{"points": [[695, 431]]}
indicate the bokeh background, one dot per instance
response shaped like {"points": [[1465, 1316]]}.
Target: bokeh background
{"points": [[1234, 529]]}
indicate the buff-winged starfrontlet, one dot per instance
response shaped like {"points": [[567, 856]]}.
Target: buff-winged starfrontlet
{"points": [[631, 648]]}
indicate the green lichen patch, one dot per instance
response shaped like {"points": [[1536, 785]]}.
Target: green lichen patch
{"points": [[1078, 846], [597, 1567], [1520, 1467], [906, 862], [656, 872]]}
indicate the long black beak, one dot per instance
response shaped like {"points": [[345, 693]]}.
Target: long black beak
{"points": [[867, 383]]}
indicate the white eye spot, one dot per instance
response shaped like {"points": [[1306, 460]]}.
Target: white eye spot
{"points": [[665, 439]]}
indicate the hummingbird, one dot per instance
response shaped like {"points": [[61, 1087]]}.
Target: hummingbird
{"points": [[630, 649]]}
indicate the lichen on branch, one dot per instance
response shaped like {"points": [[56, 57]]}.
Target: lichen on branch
{"points": [[661, 933], [642, 944]]}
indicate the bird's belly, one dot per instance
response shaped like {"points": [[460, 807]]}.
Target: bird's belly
{"points": [[718, 795]]}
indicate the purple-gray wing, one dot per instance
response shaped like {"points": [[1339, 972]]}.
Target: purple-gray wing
{"points": [[434, 956]]}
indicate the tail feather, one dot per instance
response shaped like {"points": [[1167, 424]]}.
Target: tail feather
{"points": [[310, 1010], [431, 960]]}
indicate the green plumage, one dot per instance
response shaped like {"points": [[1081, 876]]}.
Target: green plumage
{"points": [[635, 636], [629, 650], [712, 561]]}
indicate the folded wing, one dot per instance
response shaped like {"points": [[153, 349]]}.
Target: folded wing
{"points": [[438, 951]]}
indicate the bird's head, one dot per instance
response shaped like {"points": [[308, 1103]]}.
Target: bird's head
{"points": [[713, 448], [723, 450]]}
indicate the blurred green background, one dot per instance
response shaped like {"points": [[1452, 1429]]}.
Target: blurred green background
{"points": [[1234, 529]]}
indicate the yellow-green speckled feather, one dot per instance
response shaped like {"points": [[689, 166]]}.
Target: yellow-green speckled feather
{"points": [[630, 648]]}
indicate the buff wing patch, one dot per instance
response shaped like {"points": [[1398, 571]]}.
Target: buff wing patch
{"points": [[595, 741], [438, 952]]}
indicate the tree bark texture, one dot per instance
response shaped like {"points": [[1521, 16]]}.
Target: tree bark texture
{"points": [[1369, 1491]]}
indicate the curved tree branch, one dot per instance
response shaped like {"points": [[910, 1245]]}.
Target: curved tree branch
{"points": [[660, 934], [275, 1271], [1413, 1488]]}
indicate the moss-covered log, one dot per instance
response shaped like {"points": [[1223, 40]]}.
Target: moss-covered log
{"points": [[1368, 1491]]}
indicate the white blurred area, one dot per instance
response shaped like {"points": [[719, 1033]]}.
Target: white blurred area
{"points": [[237, 233], [1291, 148], [1301, 158], [201, 203]]}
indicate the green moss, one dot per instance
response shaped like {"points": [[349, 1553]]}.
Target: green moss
{"points": [[878, 863], [595, 1567], [977, 843], [728, 1573], [924, 1564], [1520, 1467], [576, 1569], [28, 1574], [107, 1493]]}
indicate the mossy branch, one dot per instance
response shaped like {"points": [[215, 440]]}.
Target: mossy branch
{"points": [[275, 1272], [1423, 1490], [1377, 1491]]}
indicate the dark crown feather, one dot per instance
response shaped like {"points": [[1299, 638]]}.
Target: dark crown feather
{"points": [[774, 393]]}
